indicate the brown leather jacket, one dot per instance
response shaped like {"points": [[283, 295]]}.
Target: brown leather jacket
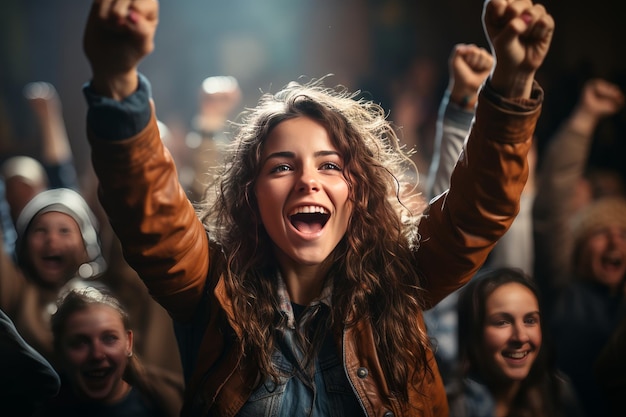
{"points": [[167, 245]]}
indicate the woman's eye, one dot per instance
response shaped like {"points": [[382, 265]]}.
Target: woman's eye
{"points": [[280, 168], [77, 343], [331, 165]]}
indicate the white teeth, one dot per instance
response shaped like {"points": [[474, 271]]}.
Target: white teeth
{"points": [[308, 209], [516, 355]]}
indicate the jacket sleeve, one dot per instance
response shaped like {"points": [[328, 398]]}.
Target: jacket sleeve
{"points": [[463, 224], [162, 238], [33, 379], [453, 124]]}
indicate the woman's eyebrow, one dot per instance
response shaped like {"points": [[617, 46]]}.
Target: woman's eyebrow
{"points": [[280, 154], [290, 155], [326, 153]]}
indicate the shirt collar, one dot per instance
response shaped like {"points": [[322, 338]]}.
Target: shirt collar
{"points": [[285, 302]]}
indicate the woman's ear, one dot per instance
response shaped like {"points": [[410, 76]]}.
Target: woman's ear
{"points": [[129, 343]]}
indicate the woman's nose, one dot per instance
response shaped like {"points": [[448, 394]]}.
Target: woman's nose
{"points": [[307, 181], [520, 333], [97, 352]]}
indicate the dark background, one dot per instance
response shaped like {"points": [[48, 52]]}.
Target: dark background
{"points": [[366, 44]]}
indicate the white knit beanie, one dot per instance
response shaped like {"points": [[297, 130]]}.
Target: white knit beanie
{"points": [[63, 200]]}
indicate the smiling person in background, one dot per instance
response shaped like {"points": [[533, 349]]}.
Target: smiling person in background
{"points": [[101, 375], [507, 367], [57, 245], [590, 308]]}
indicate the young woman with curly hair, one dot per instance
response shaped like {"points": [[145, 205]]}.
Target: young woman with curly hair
{"points": [[299, 291]]}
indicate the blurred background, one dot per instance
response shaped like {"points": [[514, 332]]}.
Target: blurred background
{"points": [[383, 48]]}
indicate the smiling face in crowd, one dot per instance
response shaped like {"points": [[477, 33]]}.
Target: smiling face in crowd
{"points": [[95, 349], [512, 331], [603, 256], [55, 247]]}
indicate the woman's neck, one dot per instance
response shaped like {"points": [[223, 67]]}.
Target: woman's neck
{"points": [[503, 397], [119, 393], [304, 282], [303, 286]]}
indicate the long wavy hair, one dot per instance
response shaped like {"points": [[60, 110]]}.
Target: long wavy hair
{"points": [[372, 268], [540, 392]]}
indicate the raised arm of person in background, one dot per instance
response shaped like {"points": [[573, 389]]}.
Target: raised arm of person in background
{"points": [[560, 177], [56, 152], [469, 66]]}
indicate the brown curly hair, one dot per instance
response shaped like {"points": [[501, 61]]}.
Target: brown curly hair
{"points": [[372, 267]]}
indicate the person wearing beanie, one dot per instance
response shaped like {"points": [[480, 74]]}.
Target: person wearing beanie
{"points": [[588, 311], [57, 248], [57, 238], [599, 235]]}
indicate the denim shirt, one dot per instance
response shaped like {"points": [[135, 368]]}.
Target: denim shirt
{"points": [[470, 397], [324, 389]]}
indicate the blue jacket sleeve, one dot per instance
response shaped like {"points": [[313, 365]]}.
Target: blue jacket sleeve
{"points": [[110, 119]]}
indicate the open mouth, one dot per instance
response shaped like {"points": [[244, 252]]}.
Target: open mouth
{"points": [[97, 374], [309, 219], [612, 261], [52, 260]]}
